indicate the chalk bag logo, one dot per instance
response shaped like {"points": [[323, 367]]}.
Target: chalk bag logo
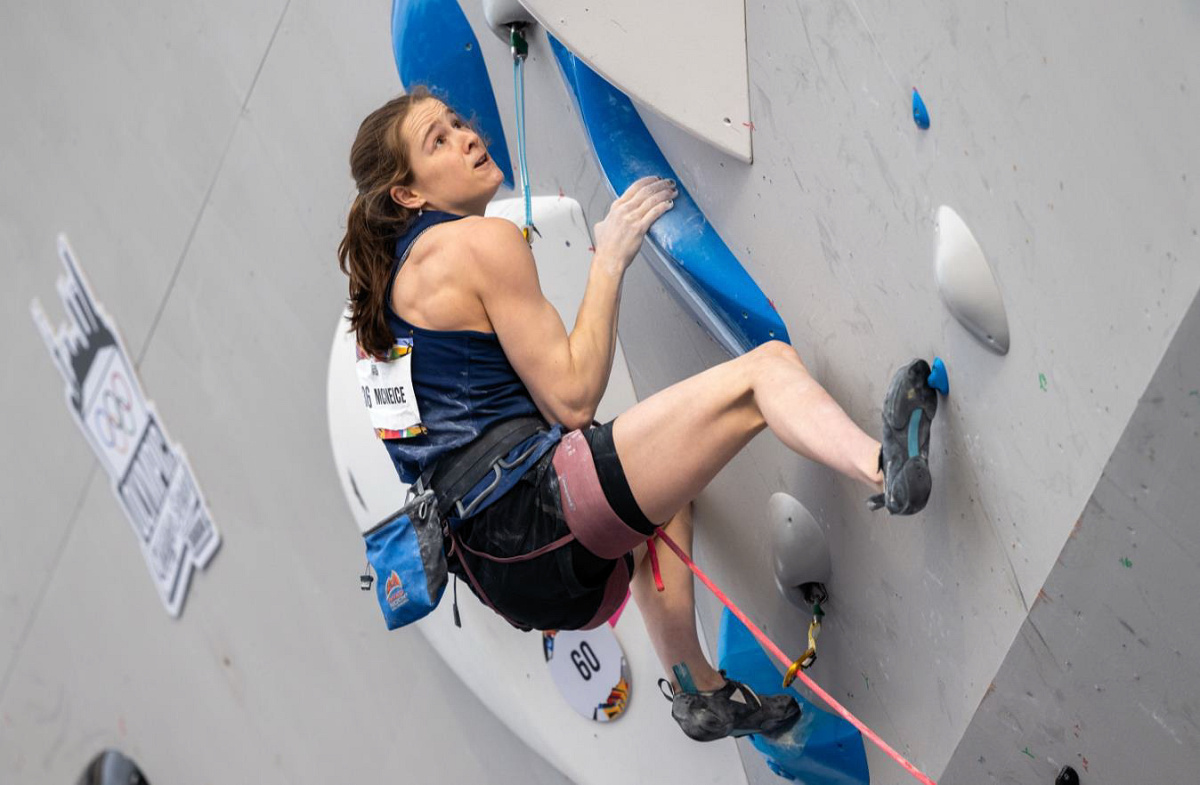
{"points": [[394, 591]]}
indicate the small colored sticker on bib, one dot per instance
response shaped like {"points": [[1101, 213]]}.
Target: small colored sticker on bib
{"points": [[388, 393]]}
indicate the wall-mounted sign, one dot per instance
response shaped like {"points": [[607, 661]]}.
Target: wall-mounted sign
{"points": [[150, 474]]}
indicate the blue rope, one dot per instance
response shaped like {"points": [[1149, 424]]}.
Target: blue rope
{"points": [[519, 95]]}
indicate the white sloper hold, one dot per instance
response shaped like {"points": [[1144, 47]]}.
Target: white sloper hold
{"points": [[801, 552], [967, 284]]}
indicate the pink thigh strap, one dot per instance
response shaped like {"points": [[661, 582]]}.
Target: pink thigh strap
{"points": [[587, 511]]}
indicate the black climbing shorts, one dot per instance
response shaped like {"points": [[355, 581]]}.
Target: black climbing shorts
{"points": [[570, 587]]}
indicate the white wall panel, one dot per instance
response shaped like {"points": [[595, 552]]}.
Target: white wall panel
{"points": [[681, 59]]}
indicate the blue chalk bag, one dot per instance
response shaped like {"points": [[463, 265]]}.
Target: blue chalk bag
{"points": [[405, 550]]}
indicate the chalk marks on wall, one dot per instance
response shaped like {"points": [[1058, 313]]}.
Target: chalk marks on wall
{"points": [[150, 475]]}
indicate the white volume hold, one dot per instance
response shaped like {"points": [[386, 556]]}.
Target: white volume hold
{"points": [[967, 283]]}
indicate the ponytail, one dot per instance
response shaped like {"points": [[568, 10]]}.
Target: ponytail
{"points": [[378, 163]]}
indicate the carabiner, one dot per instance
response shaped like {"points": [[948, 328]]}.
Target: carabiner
{"points": [[806, 659]]}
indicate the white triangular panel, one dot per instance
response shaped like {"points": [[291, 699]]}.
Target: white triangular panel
{"points": [[683, 59]]}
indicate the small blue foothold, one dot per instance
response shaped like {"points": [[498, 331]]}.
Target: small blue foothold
{"points": [[920, 113], [938, 379]]}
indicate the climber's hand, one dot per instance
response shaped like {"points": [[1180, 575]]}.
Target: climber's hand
{"points": [[619, 236]]}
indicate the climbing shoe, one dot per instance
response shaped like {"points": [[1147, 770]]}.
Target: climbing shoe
{"points": [[908, 409], [732, 710]]}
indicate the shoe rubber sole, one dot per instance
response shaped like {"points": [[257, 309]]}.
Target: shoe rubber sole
{"points": [[908, 410]]}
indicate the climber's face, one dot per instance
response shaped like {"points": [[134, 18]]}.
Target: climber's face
{"points": [[451, 168]]}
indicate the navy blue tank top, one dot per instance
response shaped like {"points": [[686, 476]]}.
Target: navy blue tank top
{"points": [[463, 384]]}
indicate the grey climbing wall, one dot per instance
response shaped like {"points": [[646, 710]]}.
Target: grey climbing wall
{"points": [[1104, 675], [1060, 134], [196, 156]]}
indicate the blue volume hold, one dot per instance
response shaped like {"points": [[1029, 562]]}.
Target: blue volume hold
{"points": [[821, 748], [625, 151], [435, 46], [938, 379], [920, 113]]}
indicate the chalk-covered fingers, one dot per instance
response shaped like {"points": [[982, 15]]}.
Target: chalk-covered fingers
{"points": [[652, 195], [634, 191], [655, 201], [648, 190], [620, 234]]}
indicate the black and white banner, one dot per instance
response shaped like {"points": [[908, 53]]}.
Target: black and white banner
{"points": [[150, 475]]}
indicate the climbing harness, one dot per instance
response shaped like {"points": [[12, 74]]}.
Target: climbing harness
{"points": [[407, 549], [658, 581], [520, 50], [797, 665]]}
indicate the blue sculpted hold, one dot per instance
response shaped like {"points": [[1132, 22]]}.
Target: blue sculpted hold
{"points": [[821, 748], [435, 46]]}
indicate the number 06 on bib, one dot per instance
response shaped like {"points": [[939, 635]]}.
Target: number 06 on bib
{"points": [[387, 391]]}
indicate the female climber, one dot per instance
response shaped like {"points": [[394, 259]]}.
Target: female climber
{"points": [[553, 531]]}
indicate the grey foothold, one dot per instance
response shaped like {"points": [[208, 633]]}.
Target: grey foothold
{"points": [[801, 551], [967, 283]]}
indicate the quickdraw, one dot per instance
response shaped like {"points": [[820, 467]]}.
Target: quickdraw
{"points": [[810, 655], [520, 50]]}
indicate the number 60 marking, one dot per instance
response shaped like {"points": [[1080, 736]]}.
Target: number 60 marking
{"points": [[585, 660]]}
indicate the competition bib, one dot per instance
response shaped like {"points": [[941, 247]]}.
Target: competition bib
{"points": [[388, 391]]}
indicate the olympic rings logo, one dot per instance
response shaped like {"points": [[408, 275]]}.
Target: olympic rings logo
{"points": [[113, 420]]}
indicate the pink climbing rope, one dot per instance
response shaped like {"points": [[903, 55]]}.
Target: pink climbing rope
{"points": [[779, 655]]}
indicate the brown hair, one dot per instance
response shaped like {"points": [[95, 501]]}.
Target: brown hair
{"points": [[378, 162]]}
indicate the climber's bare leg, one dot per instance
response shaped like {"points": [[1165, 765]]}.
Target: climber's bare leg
{"points": [[673, 443], [670, 615]]}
